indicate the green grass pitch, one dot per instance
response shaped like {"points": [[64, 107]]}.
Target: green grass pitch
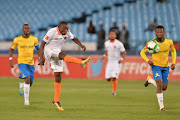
{"points": [[88, 100]]}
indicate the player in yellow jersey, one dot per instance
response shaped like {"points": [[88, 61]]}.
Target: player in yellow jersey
{"points": [[25, 44], [160, 64]]}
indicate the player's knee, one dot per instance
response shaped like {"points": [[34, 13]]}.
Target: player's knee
{"points": [[62, 55]]}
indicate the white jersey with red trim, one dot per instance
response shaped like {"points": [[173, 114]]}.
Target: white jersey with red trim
{"points": [[54, 39], [114, 49]]}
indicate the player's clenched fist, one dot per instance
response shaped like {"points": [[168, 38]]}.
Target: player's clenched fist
{"points": [[83, 47], [151, 63]]}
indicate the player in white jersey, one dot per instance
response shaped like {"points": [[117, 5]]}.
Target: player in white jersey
{"points": [[51, 48], [113, 51]]}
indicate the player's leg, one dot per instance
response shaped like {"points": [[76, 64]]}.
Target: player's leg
{"points": [[165, 77], [57, 87], [25, 74], [109, 79], [157, 74], [159, 93], [70, 59], [150, 80], [26, 90], [114, 85], [31, 68]]}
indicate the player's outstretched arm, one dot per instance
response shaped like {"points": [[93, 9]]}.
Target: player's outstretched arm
{"points": [[79, 43], [10, 58], [41, 50]]}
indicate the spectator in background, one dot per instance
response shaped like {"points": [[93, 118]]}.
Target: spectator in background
{"points": [[91, 28], [101, 37], [152, 26], [80, 19], [124, 37], [115, 28]]}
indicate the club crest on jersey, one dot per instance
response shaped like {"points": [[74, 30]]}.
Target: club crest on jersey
{"points": [[65, 37], [46, 37]]}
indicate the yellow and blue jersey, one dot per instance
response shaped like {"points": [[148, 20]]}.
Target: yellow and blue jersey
{"points": [[25, 48], [161, 58]]}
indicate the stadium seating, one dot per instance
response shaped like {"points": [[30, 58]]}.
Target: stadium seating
{"points": [[137, 14]]}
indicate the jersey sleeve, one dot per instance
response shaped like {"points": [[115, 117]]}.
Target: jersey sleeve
{"points": [[15, 43], [70, 35], [122, 49], [36, 42], [48, 36], [173, 52]]}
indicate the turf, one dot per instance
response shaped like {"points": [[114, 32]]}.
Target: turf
{"points": [[88, 100]]}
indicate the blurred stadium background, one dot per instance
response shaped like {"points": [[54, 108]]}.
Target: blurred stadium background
{"points": [[136, 14]]}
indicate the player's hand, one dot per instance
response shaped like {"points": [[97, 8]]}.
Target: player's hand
{"points": [[83, 47], [151, 63], [41, 61], [172, 66], [11, 63], [102, 58], [120, 61]]}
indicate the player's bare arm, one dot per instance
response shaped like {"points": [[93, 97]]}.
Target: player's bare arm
{"points": [[41, 52], [10, 58], [123, 57], [104, 56], [79, 43]]}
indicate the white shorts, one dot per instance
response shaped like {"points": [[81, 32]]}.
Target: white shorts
{"points": [[113, 69], [52, 56]]}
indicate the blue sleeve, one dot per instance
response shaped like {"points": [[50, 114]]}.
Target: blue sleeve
{"points": [[37, 47]]}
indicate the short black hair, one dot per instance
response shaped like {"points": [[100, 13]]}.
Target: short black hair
{"points": [[112, 31], [159, 26], [63, 22]]}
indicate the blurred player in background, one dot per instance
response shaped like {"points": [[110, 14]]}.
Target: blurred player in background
{"points": [[160, 64], [51, 48], [113, 52], [25, 44]]}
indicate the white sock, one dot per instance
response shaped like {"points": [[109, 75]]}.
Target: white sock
{"points": [[26, 92], [152, 81], [160, 100], [22, 85]]}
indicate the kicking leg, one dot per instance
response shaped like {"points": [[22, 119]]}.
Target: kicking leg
{"points": [[67, 58]]}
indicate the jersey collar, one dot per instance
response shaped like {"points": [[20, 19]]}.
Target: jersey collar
{"points": [[112, 41], [160, 41], [58, 30], [25, 37]]}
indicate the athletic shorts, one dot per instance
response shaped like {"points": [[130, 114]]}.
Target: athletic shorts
{"points": [[52, 56], [113, 69], [26, 71], [160, 73]]}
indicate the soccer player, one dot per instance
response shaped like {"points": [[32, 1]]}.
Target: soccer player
{"points": [[160, 64], [113, 52], [25, 44], [51, 48]]}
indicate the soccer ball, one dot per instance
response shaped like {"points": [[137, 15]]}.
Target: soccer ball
{"points": [[153, 47]]}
